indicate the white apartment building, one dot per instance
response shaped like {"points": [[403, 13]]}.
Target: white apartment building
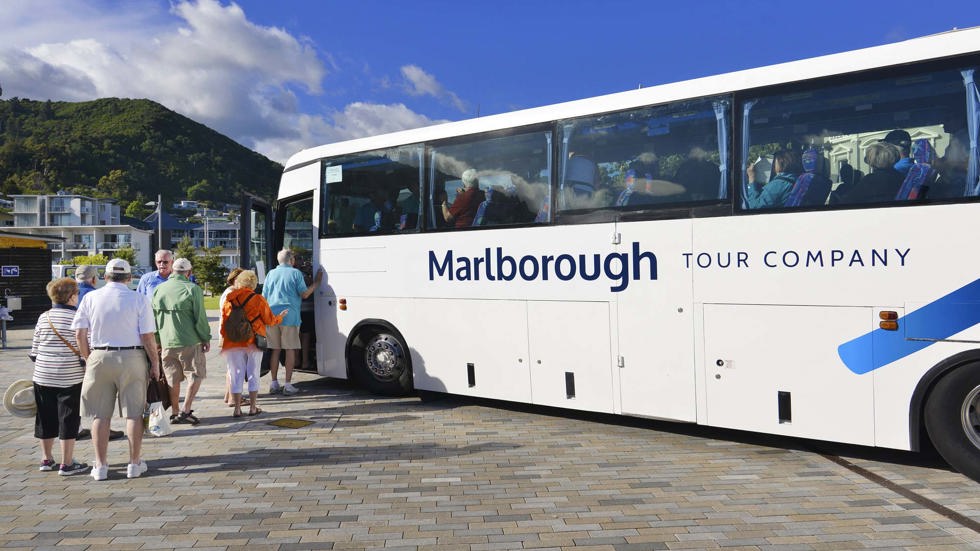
{"points": [[87, 224]]}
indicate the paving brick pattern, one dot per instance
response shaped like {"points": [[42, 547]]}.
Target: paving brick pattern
{"points": [[452, 474]]}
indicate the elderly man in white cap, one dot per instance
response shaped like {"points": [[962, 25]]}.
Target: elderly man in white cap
{"points": [[185, 336], [115, 331], [87, 278]]}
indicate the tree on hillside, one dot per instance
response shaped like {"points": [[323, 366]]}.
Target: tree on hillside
{"points": [[115, 184], [137, 207]]}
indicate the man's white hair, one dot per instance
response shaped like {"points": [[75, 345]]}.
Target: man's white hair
{"points": [[86, 272], [285, 256]]}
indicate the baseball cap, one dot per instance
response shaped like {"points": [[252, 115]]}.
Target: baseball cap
{"points": [[182, 265], [118, 266], [900, 138]]}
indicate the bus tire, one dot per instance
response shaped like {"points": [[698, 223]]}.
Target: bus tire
{"points": [[952, 419], [380, 361]]}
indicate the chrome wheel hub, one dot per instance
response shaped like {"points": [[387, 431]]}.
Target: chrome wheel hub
{"points": [[970, 416], [384, 357]]}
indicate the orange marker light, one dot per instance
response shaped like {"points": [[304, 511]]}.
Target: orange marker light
{"points": [[888, 315], [343, 303], [888, 325]]}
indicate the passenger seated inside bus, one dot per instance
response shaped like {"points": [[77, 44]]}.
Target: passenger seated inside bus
{"points": [[408, 207], [369, 216], [902, 140], [883, 183], [920, 178], [953, 166], [700, 177], [812, 187], [438, 218], [759, 193], [581, 188], [502, 206], [463, 210]]}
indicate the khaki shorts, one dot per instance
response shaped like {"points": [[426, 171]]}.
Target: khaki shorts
{"points": [[283, 337], [112, 374], [184, 362]]}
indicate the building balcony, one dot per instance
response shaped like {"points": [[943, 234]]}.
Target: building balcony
{"points": [[223, 243], [116, 245], [70, 246]]}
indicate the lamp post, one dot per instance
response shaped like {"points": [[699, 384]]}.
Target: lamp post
{"points": [[159, 207]]}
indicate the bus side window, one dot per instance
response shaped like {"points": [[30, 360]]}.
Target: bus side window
{"points": [[890, 140], [509, 172]]}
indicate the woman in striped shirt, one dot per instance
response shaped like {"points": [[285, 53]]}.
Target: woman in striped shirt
{"points": [[58, 374]]}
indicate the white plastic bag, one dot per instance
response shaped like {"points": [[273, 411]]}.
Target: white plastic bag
{"points": [[159, 423]]}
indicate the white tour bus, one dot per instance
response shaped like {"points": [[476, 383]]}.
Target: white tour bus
{"points": [[784, 250]]}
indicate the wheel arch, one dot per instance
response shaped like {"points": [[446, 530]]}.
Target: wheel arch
{"points": [[926, 383], [374, 322]]}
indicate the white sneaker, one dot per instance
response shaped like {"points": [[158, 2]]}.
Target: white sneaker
{"points": [[134, 470], [289, 390], [100, 472], [274, 387]]}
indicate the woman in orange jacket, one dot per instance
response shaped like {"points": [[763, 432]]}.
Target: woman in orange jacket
{"points": [[243, 356]]}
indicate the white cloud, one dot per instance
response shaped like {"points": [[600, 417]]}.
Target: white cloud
{"points": [[357, 120], [203, 59], [420, 83]]}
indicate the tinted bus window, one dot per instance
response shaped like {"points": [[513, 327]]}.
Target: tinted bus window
{"points": [[659, 155], [370, 193], [866, 142], [491, 182]]}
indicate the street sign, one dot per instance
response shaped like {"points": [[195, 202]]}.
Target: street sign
{"points": [[10, 271]]}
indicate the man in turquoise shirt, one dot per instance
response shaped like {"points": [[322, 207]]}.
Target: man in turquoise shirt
{"points": [[284, 288], [184, 335]]}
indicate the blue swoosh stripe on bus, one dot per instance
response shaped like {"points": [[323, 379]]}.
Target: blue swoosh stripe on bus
{"points": [[939, 319]]}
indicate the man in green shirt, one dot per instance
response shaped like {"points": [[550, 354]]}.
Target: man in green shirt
{"points": [[184, 335]]}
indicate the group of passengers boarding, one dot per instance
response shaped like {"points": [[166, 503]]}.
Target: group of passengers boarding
{"points": [[91, 354]]}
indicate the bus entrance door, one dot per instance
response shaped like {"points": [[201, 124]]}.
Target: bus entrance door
{"points": [[656, 324]]}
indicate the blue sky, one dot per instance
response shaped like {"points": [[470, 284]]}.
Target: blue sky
{"points": [[279, 76]]}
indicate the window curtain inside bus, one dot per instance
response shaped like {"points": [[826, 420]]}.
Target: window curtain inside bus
{"points": [[973, 121], [420, 154], [432, 190], [746, 111], [544, 215], [566, 134], [721, 114]]}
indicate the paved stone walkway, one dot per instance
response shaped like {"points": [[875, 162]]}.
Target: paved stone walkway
{"points": [[452, 474]]}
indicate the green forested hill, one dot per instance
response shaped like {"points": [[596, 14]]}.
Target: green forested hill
{"points": [[128, 149]]}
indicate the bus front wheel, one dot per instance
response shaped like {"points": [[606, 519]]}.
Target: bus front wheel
{"points": [[380, 362], [952, 419]]}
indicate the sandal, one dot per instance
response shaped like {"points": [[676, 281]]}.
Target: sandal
{"points": [[254, 413], [187, 417]]}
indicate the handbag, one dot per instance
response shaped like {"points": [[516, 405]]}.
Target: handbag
{"points": [[261, 342], [81, 360], [158, 390]]}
